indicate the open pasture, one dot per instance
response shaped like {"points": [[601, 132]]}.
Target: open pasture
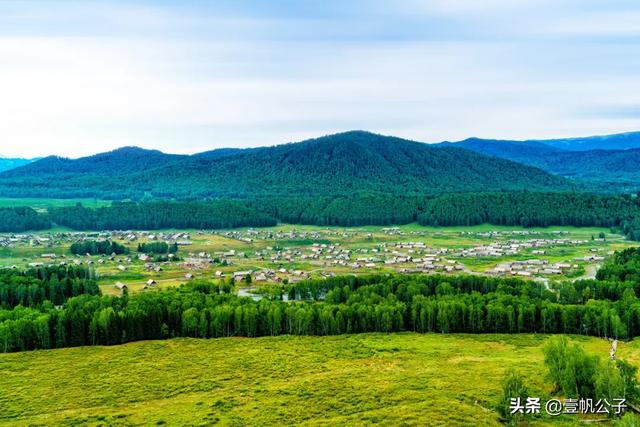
{"points": [[406, 378]]}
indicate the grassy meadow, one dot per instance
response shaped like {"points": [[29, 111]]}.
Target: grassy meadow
{"points": [[42, 204], [387, 379]]}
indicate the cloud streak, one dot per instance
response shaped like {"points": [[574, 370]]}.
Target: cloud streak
{"points": [[83, 77]]}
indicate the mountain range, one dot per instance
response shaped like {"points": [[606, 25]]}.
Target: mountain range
{"points": [[607, 162], [8, 163], [349, 163]]}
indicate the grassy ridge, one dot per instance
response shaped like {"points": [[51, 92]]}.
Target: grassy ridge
{"points": [[340, 380]]}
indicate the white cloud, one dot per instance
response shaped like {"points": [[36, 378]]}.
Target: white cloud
{"points": [[183, 81]]}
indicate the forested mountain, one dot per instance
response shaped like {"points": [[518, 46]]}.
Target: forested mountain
{"points": [[337, 165], [6, 164], [527, 152], [620, 141], [613, 170], [118, 162]]}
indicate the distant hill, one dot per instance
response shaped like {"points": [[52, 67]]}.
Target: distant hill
{"points": [[121, 161], [527, 152], [220, 152], [620, 141], [349, 163], [613, 170], [7, 164]]}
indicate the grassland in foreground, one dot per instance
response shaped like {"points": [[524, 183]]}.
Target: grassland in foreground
{"points": [[391, 379]]}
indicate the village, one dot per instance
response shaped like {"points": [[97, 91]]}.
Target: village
{"points": [[287, 254]]}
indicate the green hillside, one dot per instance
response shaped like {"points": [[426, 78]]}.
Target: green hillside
{"points": [[6, 164], [610, 169], [341, 164]]}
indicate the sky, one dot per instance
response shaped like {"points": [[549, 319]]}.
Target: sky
{"points": [[81, 77]]}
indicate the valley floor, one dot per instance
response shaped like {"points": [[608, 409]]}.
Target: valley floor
{"points": [[388, 379]]}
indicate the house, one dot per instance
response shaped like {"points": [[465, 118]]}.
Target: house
{"points": [[188, 276], [121, 286], [151, 282], [241, 274]]}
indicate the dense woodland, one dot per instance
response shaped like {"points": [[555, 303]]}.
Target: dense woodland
{"points": [[346, 164], [527, 209], [22, 219], [607, 307], [612, 166], [34, 287], [158, 248], [531, 209], [158, 215], [95, 247]]}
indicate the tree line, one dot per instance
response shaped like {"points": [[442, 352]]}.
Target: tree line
{"points": [[158, 248], [161, 214], [98, 247], [18, 219], [54, 284], [526, 209], [575, 374]]}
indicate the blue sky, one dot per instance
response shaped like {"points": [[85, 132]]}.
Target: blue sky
{"points": [[78, 78]]}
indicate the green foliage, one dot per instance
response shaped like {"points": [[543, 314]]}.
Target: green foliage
{"points": [[629, 378], [578, 374], [513, 387], [530, 209], [22, 219], [600, 163], [623, 266], [337, 165], [571, 370], [629, 420], [336, 305], [519, 208], [329, 306], [157, 215], [93, 247], [608, 381], [158, 248]]}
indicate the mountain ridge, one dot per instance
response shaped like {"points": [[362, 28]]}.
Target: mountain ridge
{"points": [[605, 168], [340, 164], [8, 163]]}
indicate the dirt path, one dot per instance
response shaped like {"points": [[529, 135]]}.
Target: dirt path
{"points": [[589, 272]]}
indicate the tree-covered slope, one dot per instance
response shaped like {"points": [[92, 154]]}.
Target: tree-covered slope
{"points": [[527, 152], [7, 164], [611, 169], [118, 162], [100, 175], [341, 164]]}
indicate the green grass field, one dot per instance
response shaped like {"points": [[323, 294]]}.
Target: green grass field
{"points": [[387, 379], [42, 204]]}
